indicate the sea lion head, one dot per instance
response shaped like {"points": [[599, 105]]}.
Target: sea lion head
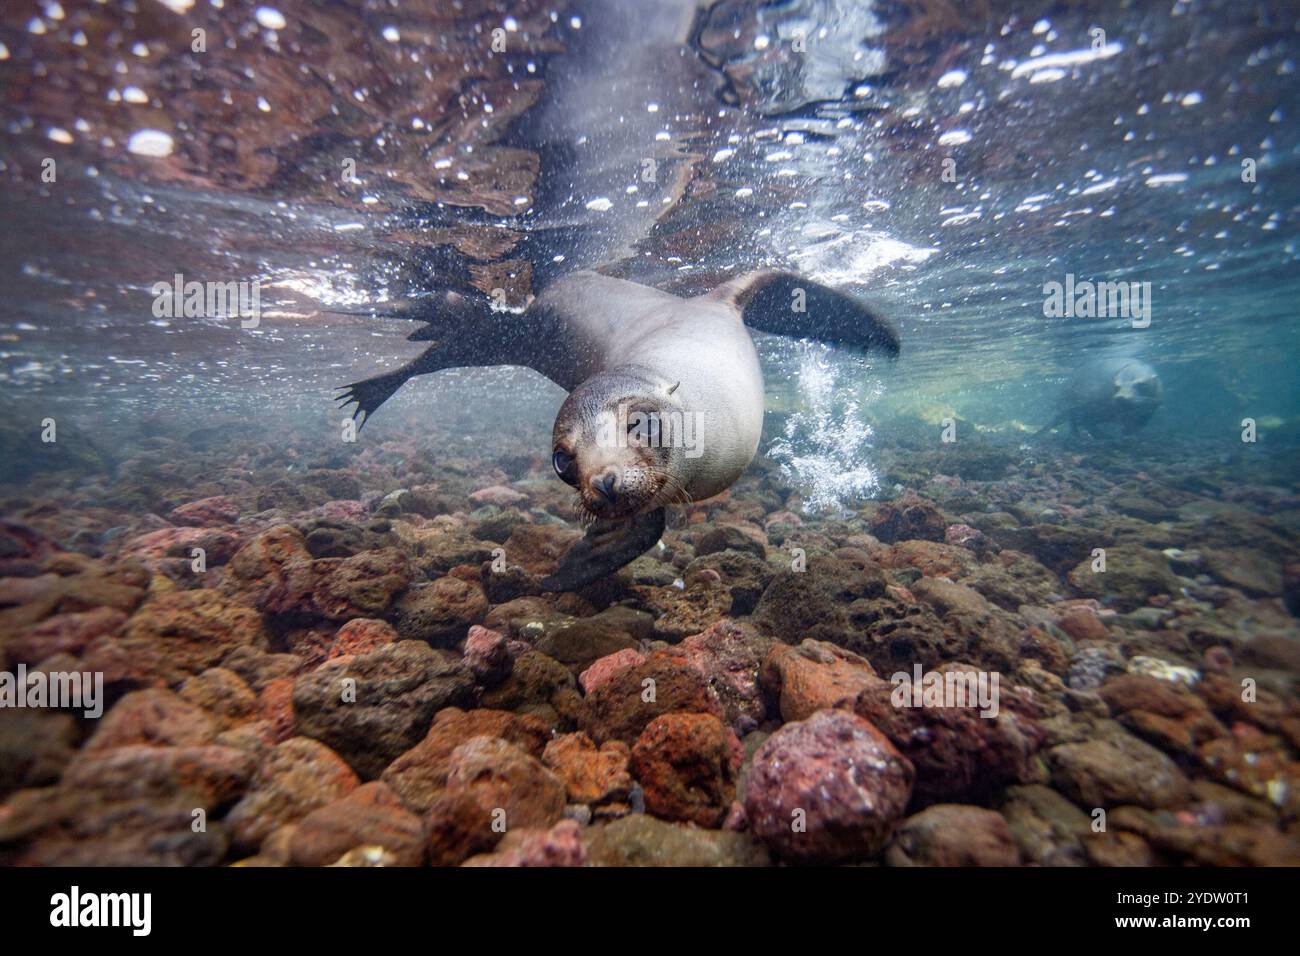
{"points": [[1138, 393], [618, 441]]}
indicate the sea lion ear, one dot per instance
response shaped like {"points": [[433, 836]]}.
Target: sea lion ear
{"points": [[783, 303], [673, 387]]}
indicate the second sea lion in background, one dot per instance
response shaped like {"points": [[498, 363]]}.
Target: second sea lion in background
{"points": [[1120, 392]]}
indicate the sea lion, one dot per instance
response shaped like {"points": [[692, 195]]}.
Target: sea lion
{"points": [[1123, 392], [665, 397]]}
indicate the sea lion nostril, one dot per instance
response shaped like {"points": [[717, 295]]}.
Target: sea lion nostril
{"points": [[605, 486]]}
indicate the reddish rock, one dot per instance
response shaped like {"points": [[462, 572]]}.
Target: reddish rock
{"points": [[606, 667], [360, 636], [420, 774], [1081, 622], [63, 634], [728, 656], [492, 787], [299, 776], [561, 845], [498, 495], [275, 707], [176, 635], [273, 571], [206, 512], [687, 765], [1169, 716], [487, 655], [1116, 770], [814, 676], [958, 754], [216, 775], [620, 708], [537, 548], [155, 716], [173, 549], [371, 815], [950, 834], [826, 789], [591, 776]]}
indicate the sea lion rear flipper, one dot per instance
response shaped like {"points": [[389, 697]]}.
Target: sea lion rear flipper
{"points": [[608, 546], [783, 303]]}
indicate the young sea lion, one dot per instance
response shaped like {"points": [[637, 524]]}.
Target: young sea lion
{"points": [[1112, 391], [665, 397]]}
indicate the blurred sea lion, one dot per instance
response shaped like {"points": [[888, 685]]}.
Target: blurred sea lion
{"points": [[1119, 392]]}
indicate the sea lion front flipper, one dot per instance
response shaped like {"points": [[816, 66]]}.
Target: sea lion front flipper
{"points": [[608, 546], [783, 303]]}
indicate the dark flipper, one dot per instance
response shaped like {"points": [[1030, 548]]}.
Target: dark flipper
{"points": [[1058, 420], [370, 393], [771, 301], [607, 547]]}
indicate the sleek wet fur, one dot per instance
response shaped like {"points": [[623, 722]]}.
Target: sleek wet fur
{"points": [[1120, 392], [629, 354]]}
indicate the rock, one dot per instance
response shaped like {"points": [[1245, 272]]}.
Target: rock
{"points": [[492, 787], [728, 655], [538, 685], [591, 776], [487, 656], [361, 635], [155, 716], [68, 827], [498, 495], [949, 834], [398, 689], [364, 585], [176, 635], [206, 512], [1047, 828], [906, 518], [441, 612], [275, 708], [586, 640], [1133, 575], [820, 603], [420, 774], [1172, 718], [34, 748], [371, 815], [687, 765], [1247, 569], [958, 755], [639, 840], [621, 707], [744, 576], [1115, 770], [826, 789], [679, 612], [561, 845], [606, 667], [215, 775], [299, 776], [813, 676], [222, 694], [728, 537], [537, 548], [1081, 622], [62, 634]]}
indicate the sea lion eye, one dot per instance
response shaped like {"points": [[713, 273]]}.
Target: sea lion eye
{"points": [[562, 462]]}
